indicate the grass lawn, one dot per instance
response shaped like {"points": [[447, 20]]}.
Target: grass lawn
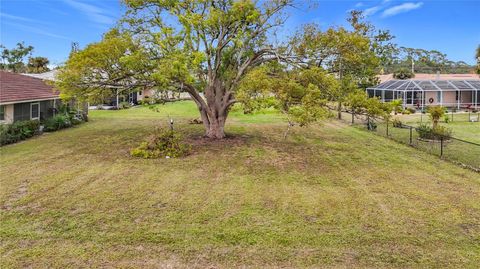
{"points": [[460, 125], [328, 196]]}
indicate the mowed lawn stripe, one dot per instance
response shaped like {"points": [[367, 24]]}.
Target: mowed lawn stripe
{"points": [[328, 195]]}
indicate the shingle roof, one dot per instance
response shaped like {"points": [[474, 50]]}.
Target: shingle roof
{"points": [[18, 88]]}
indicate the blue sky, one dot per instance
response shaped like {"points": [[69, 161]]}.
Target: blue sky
{"points": [[452, 27]]}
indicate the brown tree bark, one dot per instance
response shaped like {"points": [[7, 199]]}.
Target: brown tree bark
{"points": [[213, 109]]}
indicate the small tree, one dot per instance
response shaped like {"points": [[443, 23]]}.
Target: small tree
{"points": [[301, 95], [436, 112], [37, 65], [13, 59], [396, 105], [403, 73], [359, 103]]}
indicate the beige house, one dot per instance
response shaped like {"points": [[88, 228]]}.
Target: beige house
{"points": [[460, 93], [25, 98]]}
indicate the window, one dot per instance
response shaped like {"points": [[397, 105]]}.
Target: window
{"points": [[35, 111], [389, 95], [140, 92], [439, 96], [2, 112], [456, 95]]}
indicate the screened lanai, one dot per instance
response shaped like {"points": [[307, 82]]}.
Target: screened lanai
{"points": [[421, 93]]}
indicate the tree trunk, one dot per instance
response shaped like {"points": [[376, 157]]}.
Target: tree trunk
{"points": [[216, 129], [213, 110]]}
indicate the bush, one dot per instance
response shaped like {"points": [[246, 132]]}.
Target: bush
{"points": [[446, 118], [57, 122], [397, 123], [164, 143], [147, 100], [20, 130], [411, 110], [124, 105], [439, 132]]}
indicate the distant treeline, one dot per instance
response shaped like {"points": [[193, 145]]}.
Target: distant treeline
{"points": [[425, 61]]}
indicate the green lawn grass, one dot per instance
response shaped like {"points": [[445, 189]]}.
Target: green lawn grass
{"points": [[460, 125], [329, 196]]}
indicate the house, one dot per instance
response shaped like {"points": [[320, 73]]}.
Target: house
{"points": [[459, 91], [25, 98]]}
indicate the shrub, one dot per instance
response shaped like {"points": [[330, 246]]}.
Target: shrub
{"points": [[440, 132], [17, 131], [411, 110], [424, 131], [436, 133], [123, 105], [57, 122], [397, 123], [75, 120], [164, 143], [147, 100], [446, 118]]}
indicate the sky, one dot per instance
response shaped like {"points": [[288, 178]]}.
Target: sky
{"points": [[50, 26]]}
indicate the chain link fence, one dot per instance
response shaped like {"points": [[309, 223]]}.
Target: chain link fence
{"points": [[459, 151]]}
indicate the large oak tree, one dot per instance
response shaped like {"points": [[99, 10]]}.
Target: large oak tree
{"points": [[206, 47]]}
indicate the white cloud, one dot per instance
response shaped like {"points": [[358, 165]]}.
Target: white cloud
{"points": [[18, 18], [405, 7], [36, 30], [372, 10], [94, 13], [359, 4]]}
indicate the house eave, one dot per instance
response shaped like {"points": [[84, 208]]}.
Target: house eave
{"points": [[29, 100]]}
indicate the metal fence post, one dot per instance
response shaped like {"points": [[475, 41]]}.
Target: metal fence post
{"points": [[441, 147], [353, 117], [387, 127], [411, 141]]}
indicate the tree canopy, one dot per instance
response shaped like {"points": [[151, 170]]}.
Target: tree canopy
{"points": [[222, 53], [425, 61], [403, 73], [38, 65], [13, 59], [116, 63]]}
